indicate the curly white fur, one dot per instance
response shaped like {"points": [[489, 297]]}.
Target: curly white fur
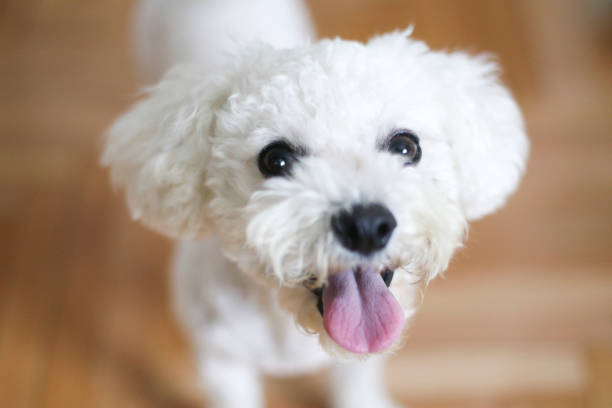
{"points": [[186, 156]]}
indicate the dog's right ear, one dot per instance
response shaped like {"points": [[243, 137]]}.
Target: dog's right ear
{"points": [[158, 151]]}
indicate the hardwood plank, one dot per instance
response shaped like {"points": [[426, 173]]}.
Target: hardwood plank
{"points": [[28, 315], [488, 372], [600, 361], [522, 318]]}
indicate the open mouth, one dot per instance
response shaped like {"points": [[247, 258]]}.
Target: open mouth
{"points": [[359, 311], [386, 275]]}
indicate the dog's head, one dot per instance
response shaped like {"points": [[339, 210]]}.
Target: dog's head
{"points": [[341, 172]]}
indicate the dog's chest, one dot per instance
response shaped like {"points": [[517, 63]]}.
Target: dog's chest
{"points": [[273, 338], [227, 312]]}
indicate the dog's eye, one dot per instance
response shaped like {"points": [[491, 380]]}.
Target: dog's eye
{"points": [[406, 144], [276, 159]]}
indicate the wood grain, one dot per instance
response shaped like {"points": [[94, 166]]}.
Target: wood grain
{"points": [[523, 318]]}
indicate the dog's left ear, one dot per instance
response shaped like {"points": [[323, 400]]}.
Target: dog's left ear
{"points": [[480, 120], [158, 152], [485, 129]]}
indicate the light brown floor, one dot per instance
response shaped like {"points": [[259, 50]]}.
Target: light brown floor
{"points": [[523, 317]]}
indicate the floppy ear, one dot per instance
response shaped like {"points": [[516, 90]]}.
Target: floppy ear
{"points": [[158, 152], [485, 130], [481, 121]]}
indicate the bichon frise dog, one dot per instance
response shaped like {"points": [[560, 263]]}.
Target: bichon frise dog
{"points": [[314, 186]]}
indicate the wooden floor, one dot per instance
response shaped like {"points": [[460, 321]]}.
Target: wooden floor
{"points": [[523, 318]]}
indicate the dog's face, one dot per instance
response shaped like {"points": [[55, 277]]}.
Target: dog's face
{"points": [[344, 172]]}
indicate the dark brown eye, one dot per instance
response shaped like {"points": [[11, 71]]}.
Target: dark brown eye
{"points": [[276, 159], [405, 144]]}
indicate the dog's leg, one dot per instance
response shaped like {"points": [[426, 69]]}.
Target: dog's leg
{"points": [[360, 384], [230, 383]]}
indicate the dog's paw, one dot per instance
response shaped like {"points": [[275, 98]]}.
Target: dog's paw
{"points": [[388, 404], [370, 403]]}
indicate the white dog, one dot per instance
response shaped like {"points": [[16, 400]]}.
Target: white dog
{"points": [[320, 184]]}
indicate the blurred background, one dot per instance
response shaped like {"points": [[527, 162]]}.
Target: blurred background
{"points": [[523, 317]]}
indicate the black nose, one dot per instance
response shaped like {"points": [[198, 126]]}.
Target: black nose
{"points": [[364, 229]]}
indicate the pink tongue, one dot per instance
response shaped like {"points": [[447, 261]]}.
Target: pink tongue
{"points": [[359, 312]]}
